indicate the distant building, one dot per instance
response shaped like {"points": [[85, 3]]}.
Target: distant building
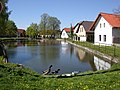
{"points": [[21, 33], [106, 29], [66, 32]]}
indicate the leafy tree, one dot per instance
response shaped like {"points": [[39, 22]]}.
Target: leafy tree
{"points": [[71, 32], [11, 29], [32, 30], [53, 23], [4, 17], [44, 21], [48, 25]]}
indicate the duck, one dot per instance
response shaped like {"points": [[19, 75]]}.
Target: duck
{"points": [[56, 71], [47, 71]]}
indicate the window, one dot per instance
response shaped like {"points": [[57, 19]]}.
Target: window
{"points": [[82, 29], [63, 34], [104, 24], [104, 38], [100, 25], [99, 37]]}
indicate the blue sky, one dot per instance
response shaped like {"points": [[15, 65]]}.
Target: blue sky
{"points": [[25, 12]]}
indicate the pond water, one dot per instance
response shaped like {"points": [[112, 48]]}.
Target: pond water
{"points": [[39, 55]]}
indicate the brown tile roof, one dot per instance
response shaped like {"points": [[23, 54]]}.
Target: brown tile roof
{"points": [[86, 25], [112, 19]]}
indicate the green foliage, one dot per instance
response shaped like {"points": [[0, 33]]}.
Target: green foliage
{"points": [[32, 30], [71, 32], [48, 23], [4, 17], [49, 32], [14, 77], [44, 21], [11, 29], [53, 23]]}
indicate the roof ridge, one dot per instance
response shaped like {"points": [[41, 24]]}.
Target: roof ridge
{"points": [[108, 13]]}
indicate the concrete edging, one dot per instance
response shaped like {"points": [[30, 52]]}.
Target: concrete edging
{"points": [[109, 58]]}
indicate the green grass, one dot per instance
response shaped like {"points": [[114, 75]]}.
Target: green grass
{"points": [[113, 51], [13, 77]]}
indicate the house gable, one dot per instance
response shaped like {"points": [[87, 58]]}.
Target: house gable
{"points": [[64, 34], [83, 27], [103, 28], [112, 19], [81, 31]]}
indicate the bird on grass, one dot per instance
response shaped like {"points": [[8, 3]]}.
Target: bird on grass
{"points": [[56, 71], [47, 71]]}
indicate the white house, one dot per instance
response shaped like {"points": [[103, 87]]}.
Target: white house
{"points": [[106, 29], [65, 33], [81, 30]]}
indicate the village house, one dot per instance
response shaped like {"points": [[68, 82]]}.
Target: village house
{"points": [[106, 29], [81, 31], [66, 33], [20, 33]]}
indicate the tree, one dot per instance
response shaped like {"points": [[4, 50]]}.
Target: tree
{"points": [[44, 21], [53, 23], [11, 29], [4, 15], [117, 11], [32, 30], [48, 25], [71, 32]]}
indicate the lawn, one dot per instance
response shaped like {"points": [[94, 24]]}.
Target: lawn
{"points": [[113, 51], [14, 77]]}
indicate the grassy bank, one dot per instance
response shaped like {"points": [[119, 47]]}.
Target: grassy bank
{"points": [[14, 77], [113, 51]]}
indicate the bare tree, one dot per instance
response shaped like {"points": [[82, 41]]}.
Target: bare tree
{"points": [[117, 10]]}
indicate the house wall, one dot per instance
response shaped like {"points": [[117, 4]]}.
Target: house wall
{"points": [[64, 34], [81, 33], [116, 35], [103, 30], [116, 32]]}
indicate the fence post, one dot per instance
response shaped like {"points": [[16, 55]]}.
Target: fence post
{"points": [[114, 49], [105, 48], [99, 46]]}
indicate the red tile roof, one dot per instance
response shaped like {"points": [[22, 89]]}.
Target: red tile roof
{"points": [[20, 30], [112, 19], [67, 29]]}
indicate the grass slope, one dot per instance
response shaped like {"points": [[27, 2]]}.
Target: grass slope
{"points": [[13, 77]]}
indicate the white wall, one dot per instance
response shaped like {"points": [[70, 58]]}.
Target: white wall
{"points": [[81, 33], [101, 64], [64, 34], [107, 30], [82, 38]]}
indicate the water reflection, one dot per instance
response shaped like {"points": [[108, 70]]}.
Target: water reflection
{"points": [[39, 55], [101, 64]]}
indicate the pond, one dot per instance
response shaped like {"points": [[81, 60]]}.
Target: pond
{"points": [[39, 55]]}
